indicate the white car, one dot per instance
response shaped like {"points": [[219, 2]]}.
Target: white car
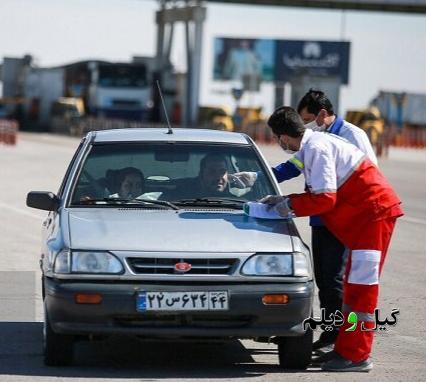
{"points": [[147, 236]]}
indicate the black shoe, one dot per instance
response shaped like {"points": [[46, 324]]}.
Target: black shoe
{"points": [[338, 363], [323, 346], [325, 357]]}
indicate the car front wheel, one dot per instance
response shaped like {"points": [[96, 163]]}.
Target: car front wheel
{"points": [[295, 352], [57, 348]]}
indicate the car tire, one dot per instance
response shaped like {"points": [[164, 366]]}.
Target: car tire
{"points": [[295, 352], [57, 348]]}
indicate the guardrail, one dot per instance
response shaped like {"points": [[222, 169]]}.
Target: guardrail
{"points": [[414, 137], [8, 131], [410, 136]]}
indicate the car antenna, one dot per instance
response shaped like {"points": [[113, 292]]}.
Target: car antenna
{"points": [[164, 108]]}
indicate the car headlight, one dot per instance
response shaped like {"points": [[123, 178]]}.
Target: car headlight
{"points": [[302, 265], [87, 262], [277, 264], [269, 265], [62, 262]]}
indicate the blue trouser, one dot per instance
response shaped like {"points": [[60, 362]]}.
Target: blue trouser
{"points": [[329, 265]]}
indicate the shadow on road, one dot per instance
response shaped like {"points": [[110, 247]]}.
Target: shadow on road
{"points": [[129, 357]]}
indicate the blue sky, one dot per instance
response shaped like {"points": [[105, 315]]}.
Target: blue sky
{"points": [[388, 51]]}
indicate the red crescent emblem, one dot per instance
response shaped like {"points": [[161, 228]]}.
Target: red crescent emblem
{"points": [[183, 267]]}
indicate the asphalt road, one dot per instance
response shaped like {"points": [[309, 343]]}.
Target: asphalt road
{"points": [[38, 162]]}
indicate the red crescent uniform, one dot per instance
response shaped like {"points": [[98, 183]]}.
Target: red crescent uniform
{"points": [[360, 208]]}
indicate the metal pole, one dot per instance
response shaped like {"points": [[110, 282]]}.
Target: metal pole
{"points": [[279, 94], [196, 67], [157, 75], [193, 16], [160, 36], [169, 43], [343, 25], [188, 87]]}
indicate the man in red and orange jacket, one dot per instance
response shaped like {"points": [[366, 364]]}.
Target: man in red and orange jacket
{"points": [[358, 206]]}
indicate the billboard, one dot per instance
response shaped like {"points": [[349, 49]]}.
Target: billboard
{"points": [[411, 6], [235, 59], [312, 58], [279, 60]]}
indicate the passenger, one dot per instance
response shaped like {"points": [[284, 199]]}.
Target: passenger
{"points": [[131, 183]]}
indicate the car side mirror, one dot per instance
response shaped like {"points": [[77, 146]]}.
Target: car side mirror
{"points": [[43, 200]]}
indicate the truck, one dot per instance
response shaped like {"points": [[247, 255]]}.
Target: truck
{"points": [[371, 121], [108, 90], [119, 90]]}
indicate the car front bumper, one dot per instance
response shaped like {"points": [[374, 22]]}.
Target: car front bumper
{"points": [[247, 316]]}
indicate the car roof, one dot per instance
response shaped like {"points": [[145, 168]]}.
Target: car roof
{"points": [[160, 134]]}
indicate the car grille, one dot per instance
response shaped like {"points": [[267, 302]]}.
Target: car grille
{"points": [[160, 265]]}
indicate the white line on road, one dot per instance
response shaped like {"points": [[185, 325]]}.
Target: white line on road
{"points": [[20, 211]]}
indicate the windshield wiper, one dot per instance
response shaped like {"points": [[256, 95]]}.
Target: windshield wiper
{"points": [[157, 202], [225, 202], [124, 201]]}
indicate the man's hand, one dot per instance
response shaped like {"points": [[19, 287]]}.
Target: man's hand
{"points": [[86, 199], [243, 179], [272, 199], [280, 203], [283, 208]]}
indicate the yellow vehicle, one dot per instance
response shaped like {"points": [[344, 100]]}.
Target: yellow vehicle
{"points": [[249, 120], [248, 116], [69, 106], [65, 115], [371, 121], [215, 117]]}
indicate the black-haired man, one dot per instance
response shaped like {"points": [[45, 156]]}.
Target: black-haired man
{"points": [[358, 206], [329, 253], [318, 114]]}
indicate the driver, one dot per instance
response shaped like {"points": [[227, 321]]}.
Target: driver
{"points": [[213, 178], [212, 181]]}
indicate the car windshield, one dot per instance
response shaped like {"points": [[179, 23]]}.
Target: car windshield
{"points": [[166, 175]]}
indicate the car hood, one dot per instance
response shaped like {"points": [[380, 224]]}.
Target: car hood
{"points": [[167, 230]]}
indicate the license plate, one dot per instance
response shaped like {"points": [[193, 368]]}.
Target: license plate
{"points": [[187, 301]]}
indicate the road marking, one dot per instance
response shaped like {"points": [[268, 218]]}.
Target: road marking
{"points": [[20, 211], [409, 219]]}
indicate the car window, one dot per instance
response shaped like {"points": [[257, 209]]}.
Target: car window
{"points": [[171, 172]]}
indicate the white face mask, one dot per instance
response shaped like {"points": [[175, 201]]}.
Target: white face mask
{"points": [[314, 126], [288, 151]]}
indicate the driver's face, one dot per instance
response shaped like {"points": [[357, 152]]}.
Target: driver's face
{"points": [[131, 186], [214, 177]]}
